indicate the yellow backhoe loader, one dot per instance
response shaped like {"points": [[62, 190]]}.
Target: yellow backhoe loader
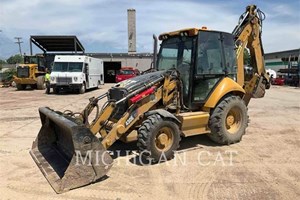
{"points": [[199, 87]]}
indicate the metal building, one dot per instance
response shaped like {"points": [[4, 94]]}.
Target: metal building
{"points": [[279, 60], [286, 64], [114, 61]]}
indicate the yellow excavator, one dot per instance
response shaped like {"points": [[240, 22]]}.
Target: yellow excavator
{"points": [[199, 86]]}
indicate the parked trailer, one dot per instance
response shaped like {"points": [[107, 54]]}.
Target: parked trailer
{"points": [[76, 73]]}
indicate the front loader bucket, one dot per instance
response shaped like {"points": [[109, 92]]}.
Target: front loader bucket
{"points": [[68, 154]]}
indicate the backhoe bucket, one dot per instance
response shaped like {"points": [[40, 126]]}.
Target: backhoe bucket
{"points": [[68, 154]]}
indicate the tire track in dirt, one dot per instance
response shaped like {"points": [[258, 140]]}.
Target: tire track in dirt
{"points": [[35, 119], [265, 168], [87, 192], [200, 189]]}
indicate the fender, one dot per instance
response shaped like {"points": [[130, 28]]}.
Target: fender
{"points": [[164, 114], [227, 85]]}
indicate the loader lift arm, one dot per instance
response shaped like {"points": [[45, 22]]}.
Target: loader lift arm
{"points": [[142, 100], [248, 34]]}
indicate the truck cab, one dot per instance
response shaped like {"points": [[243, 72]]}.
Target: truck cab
{"points": [[74, 72]]}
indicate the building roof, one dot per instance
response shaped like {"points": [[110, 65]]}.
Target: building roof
{"points": [[283, 54], [56, 43], [120, 55]]}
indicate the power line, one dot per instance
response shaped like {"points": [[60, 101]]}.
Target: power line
{"points": [[19, 43]]}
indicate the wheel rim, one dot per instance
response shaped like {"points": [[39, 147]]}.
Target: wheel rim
{"points": [[234, 120], [164, 139]]}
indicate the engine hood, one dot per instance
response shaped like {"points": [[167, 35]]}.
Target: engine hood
{"points": [[139, 81]]}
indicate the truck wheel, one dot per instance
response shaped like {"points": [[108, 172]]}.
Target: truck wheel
{"points": [[41, 83], [158, 138], [21, 86], [33, 86], [55, 90], [82, 89], [228, 121]]}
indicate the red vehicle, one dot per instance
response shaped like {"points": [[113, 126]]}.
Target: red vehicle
{"points": [[126, 73], [278, 81]]}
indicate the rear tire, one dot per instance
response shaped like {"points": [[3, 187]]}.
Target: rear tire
{"points": [[21, 86], [41, 83], [228, 121], [82, 89], [158, 136]]}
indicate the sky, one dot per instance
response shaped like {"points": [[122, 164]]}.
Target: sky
{"points": [[101, 25]]}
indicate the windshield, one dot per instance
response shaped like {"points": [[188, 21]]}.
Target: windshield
{"points": [[126, 72], [30, 60], [34, 60], [175, 52], [67, 67]]}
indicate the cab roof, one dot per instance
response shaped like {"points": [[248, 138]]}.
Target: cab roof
{"points": [[186, 32]]}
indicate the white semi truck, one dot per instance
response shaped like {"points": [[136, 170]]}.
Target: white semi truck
{"points": [[76, 72]]}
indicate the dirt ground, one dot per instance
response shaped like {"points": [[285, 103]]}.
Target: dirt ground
{"points": [[264, 165]]}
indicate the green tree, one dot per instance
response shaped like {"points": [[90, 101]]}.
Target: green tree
{"points": [[15, 59], [1, 63], [8, 74]]}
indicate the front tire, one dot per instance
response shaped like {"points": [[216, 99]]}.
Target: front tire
{"points": [[21, 86], [82, 89], [158, 138], [41, 83], [33, 86], [228, 121]]}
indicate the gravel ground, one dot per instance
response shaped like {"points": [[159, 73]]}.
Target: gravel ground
{"points": [[264, 165]]}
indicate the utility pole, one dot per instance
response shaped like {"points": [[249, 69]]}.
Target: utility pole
{"points": [[19, 43]]}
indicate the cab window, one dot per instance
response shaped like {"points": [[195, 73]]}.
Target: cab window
{"points": [[177, 53], [209, 64], [209, 55], [229, 51]]}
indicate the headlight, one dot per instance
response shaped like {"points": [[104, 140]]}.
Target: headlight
{"points": [[52, 78], [75, 78]]}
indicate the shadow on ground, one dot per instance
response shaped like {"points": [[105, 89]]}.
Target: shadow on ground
{"points": [[120, 149]]}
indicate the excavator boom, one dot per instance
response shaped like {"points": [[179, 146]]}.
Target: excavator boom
{"points": [[248, 34]]}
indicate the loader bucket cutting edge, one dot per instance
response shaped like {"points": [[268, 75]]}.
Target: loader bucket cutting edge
{"points": [[68, 154]]}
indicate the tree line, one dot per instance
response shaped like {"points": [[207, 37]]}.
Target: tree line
{"points": [[7, 75], [12, 60]]}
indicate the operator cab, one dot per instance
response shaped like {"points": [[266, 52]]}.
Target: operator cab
{"points": [[38, 60], [203, 58]]}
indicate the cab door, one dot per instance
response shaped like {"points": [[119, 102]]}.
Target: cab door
{"points": [[215, 59], [86, 73]]}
